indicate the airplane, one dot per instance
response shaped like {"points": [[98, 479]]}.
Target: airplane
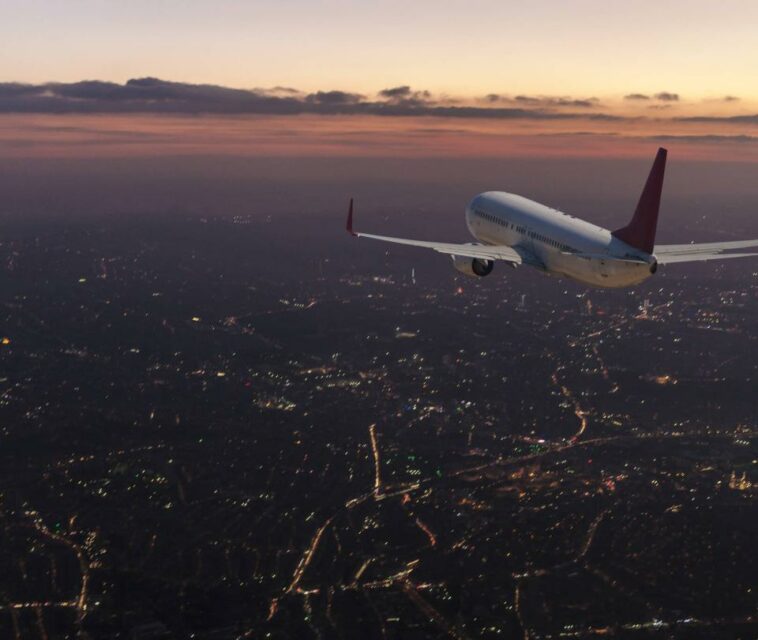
{"points": [[515, 230]]}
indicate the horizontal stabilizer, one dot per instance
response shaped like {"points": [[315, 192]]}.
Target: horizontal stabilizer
{"points": [[670, 253], [701, 257]]}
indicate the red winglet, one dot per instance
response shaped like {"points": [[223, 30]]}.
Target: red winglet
{"points": [[349, 225]]}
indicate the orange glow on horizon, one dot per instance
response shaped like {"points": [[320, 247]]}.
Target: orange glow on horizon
{"points": [[364, 136]]}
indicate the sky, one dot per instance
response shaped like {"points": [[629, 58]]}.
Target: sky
{"points": [[385, 77], [698, 48]]}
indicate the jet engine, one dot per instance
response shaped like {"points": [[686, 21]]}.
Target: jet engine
{"points": [[473, 266]]}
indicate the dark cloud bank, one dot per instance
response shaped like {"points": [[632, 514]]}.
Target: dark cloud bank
{"points": [[152, 95]]}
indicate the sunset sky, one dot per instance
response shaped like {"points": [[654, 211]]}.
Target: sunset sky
{"points": [[386, 77]]}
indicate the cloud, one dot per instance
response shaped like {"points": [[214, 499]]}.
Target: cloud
{"points": [[286, 90], [334, 97], [715, 138], [16, 89], [396, 93], [726, 99], [406, 96], [404, 93], [665, 96], [746, 119], [556, 102], [140, 95], [153, 95], [544, 102]]}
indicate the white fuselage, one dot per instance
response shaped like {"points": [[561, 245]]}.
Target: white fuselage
{"points": [[557, 243]]}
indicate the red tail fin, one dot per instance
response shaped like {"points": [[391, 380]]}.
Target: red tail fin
{"points": [[640, 232]]}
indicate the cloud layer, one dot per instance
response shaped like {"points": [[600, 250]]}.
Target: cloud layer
{"points": [[152, 95], [98, 118]]}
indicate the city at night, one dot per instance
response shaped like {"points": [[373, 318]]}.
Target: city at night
{"points": [[225, 415]]}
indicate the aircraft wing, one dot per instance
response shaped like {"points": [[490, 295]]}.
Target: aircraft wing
{"points": [[671, 253], [468, 250], [481, 251]]}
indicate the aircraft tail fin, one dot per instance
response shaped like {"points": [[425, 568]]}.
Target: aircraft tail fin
{"points": [[640, 232]]}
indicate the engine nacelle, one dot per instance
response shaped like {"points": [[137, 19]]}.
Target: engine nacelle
{"points": [[473, 266]]}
